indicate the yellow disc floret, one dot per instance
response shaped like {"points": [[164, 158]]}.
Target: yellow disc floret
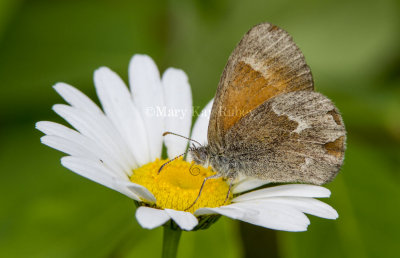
{"points": [[178, 184]]}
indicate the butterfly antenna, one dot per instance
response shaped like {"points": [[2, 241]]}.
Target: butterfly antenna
{"points": [[169, 161], [187, 138]]}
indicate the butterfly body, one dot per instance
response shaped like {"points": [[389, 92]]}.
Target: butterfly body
{"points": [[225, 165], [266, 121]]}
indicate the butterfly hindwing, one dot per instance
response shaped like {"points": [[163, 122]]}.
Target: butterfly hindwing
{"points": [[293, 137]]}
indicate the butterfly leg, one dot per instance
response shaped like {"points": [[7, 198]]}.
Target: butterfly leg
{"points": [[229, 191], [201, 189]]}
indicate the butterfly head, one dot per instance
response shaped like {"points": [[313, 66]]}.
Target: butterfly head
{"points": [[200, 155]]}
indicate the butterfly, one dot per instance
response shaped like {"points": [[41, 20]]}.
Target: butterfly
{"points": [[267, 122]]}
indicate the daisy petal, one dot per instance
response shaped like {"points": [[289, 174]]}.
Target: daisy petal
{"points": [[141, 191], [307, 205], [117, 104], [178, 101], [151, 218], [73, 143], [276, 216], [99, 129], [200, 128], [65, 145], [248, 184], [76, 98], [51, 128], [81, 102], [229, 211], [97, 172], [185, 220], [298, 190], [148, 96]]}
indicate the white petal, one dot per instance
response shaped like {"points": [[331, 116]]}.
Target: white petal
{"points": [[200, 128], [82, 103], [141, 191], [178, 101], [185, 220], [117, 104], [298, 190], [275, 216], [73, 143], [248, 184], [99, 129], [76, 98], [151, 218], [148, 96], [230, 211], [95, 171], [66, 146], [51, 128], [307, 205]]}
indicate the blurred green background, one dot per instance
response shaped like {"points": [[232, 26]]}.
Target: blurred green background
{"points": [[352, 47]]}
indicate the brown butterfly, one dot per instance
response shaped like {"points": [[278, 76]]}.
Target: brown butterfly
{"points": [[266, 121]]}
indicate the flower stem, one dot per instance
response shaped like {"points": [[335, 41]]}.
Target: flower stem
{"points": [[172, 234]]}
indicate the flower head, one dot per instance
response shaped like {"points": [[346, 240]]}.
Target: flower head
{"points": [[120, 147]]}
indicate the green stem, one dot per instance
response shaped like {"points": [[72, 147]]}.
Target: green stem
{"points": [[172, 234]]}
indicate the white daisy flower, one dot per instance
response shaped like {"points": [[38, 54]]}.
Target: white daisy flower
{"points": [[120, 147]]}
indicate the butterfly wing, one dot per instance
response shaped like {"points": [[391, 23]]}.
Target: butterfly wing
{"points": [[293, 137], [265, 63]]}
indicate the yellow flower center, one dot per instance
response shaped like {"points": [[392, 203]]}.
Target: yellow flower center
{"points": [[178, 184]]}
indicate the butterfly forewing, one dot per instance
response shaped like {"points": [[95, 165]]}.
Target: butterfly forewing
{"points": [[265, 63]]}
